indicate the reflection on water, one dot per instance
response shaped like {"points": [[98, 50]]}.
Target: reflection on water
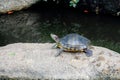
{"points": [[30, 26]]}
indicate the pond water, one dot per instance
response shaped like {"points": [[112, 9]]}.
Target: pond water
{"points": [[34, 26]]}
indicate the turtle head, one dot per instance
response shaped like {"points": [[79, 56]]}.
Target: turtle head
{"points": [[55, 38]]}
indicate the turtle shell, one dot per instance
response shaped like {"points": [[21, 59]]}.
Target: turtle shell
{"points": [[74, 42]]}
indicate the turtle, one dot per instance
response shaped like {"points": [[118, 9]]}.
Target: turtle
{"points": [[72, 42]]}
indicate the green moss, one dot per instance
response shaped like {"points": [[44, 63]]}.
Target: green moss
{"points": [[108, 44]]}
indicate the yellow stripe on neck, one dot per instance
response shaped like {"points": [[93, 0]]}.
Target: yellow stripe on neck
{"points": [[59, 45]]}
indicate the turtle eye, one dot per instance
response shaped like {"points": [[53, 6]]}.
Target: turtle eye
{"points": [[56, 38]]}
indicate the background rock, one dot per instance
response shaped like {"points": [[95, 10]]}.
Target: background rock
{"points": [[102, 6], [13, 5], [37, 61]]}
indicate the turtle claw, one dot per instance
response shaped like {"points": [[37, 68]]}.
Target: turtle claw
{"points": [[59, 52], [88, 52]]}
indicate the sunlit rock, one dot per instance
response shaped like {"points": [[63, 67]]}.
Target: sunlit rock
{"points": [[38, 61], [13, 5]]}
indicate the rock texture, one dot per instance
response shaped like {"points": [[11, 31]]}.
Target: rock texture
{"points": [[37, 61], [13, 5]]}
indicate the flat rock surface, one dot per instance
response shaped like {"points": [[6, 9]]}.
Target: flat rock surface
{"points": [[38, 61]]}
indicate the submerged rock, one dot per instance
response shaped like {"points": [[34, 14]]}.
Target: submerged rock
{"points": [[38, 61], [13, 5]]}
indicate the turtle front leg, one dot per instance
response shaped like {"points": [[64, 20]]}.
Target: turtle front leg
{"points": [[59, 52], [54, 46]]}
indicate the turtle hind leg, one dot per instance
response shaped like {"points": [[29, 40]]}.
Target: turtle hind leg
{"points": [[59, 52], [88, 52]]}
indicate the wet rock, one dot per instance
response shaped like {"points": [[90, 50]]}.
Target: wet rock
{"points": [[22, 26], [38, 61], [13, 5]]}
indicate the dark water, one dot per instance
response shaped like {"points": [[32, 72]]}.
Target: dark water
{"points": [[35, 27]]}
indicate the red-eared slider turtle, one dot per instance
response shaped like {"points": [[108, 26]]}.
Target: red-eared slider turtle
{"points": [[72, 43]]}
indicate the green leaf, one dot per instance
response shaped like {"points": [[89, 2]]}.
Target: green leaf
{"points": [[73, 3]]}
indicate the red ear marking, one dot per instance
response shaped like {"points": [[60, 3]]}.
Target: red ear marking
{"points": [[56, 37]]}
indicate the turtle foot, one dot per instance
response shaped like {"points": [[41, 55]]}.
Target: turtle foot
{"points": [[88, 52]]}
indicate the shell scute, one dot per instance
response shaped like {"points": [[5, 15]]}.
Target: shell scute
{"points": [[74, 42]]}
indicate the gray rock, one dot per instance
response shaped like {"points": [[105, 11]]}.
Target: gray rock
{"points": [[37, 61], [13, 5]]}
